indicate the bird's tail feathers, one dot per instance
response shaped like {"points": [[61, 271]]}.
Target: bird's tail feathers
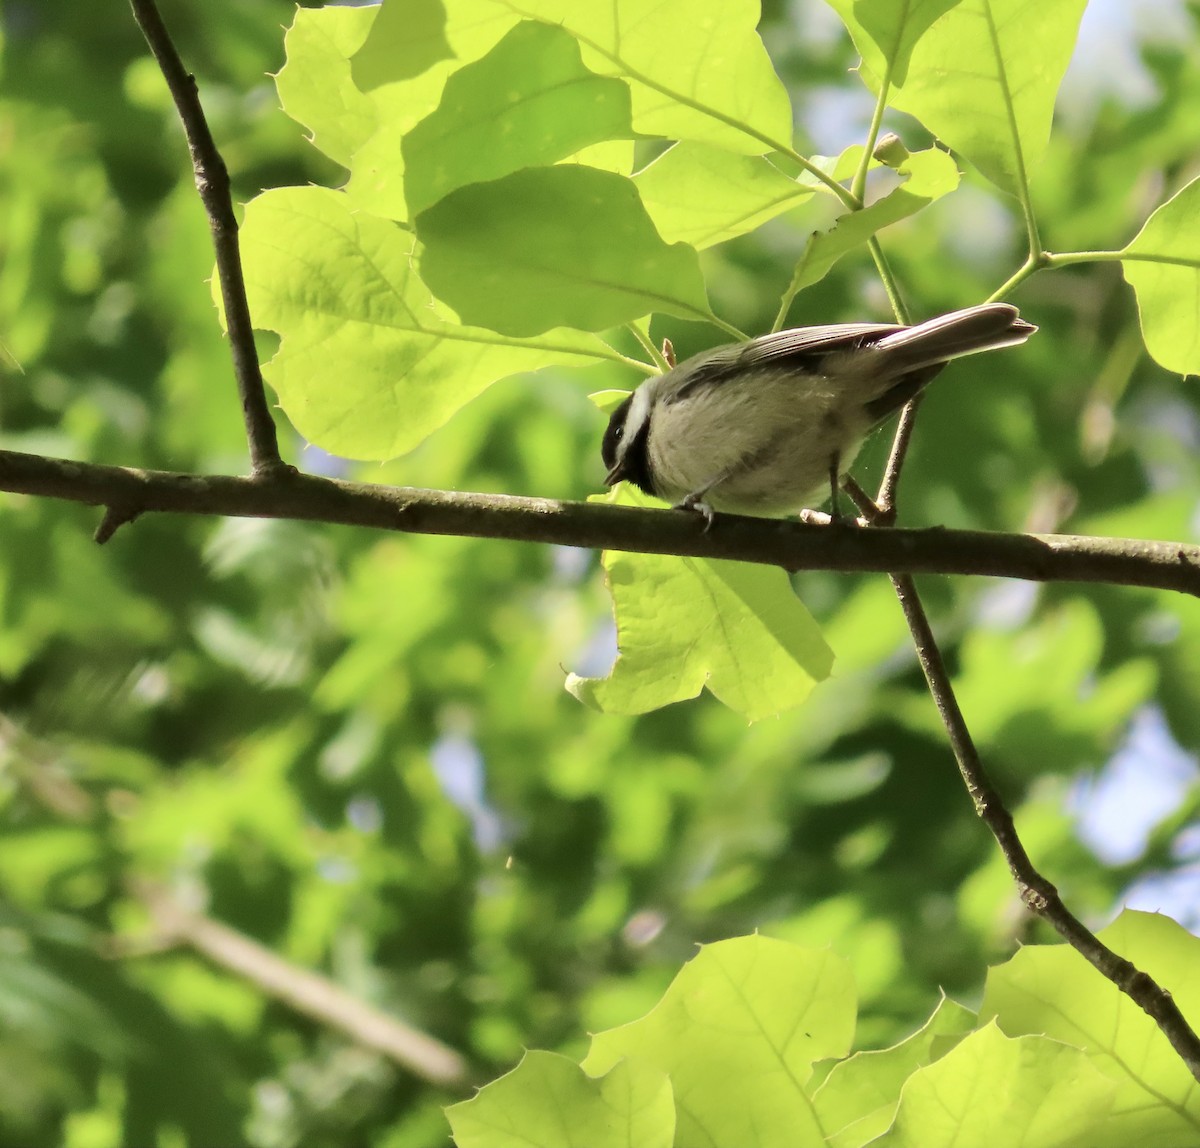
{"points": [[967, 332]]}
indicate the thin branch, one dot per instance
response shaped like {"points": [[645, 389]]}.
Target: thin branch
{"points": [[775, 542], [1038, 893], [212, 182], [305, 991]]}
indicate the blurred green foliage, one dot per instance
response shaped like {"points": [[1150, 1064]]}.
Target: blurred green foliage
{"points": [[358, 750]]}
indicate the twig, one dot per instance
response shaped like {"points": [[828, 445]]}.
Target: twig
{"points": [[1038, 893], [775, 542], [212, 182], [308, 993], [885, 500]]}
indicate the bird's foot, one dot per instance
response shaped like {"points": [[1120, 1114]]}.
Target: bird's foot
{"points": [[695, 502]]}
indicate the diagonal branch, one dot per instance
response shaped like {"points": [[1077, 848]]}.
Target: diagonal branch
{"points": [[212, 182], [128, 493], [1038, 893]]}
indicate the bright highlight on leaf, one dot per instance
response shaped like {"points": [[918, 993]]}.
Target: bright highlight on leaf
{"points": [[687, 623], [995, 1092], [369, 364], [315, 86], [555, 246], [737, 1033], [1162, 265], [529, 101], [1051, 989]]}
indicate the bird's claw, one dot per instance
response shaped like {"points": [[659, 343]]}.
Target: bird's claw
{"points": [[695, 502]]}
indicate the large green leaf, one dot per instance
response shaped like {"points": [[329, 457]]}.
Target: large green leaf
{"points": [[1051, 989], [565, 246], [687, 623], [368, 364], [548, 1102], [995, 1092], [984, 79], [737, 1033], [404, 42], [529, 101], [703, 195], [315, 86], [858, 1099], [886, 31], [1162, 264], [697, 68]]}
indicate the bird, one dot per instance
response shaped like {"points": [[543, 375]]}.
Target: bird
{"points": [[759, 427]]}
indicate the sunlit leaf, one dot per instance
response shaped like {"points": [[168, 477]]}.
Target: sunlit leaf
{"points": [[737, 1032], [886, 31], [368, 364], [548, 1102], [858, 1099], [995, 1092], [687, 623], [1051, 989], [984, 79], [1162, 264], [315, 86]]}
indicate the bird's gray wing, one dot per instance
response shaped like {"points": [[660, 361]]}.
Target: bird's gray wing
{"points": [[800, 348]]}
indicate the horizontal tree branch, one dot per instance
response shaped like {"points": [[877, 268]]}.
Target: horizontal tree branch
{"points": [[127, 493]]}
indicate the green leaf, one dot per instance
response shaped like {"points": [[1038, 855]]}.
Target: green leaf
{"points": [[704, 195], [687, 623], [315, 87], [984, 79], [555, 246], [737, 1032], [1051, 989], [368, 364], [529, 101], [994, 1092], [929, 175], [548, 1102], [858, 1099], [697, 68], [1162, 264], [472, 29], [885, 31], [404, 42]]}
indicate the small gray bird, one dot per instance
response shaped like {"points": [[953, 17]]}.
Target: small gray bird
{"points": [[758, 427]]}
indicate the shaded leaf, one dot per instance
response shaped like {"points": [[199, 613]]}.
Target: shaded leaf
{"points": [[555, 246], [529, 101], [886, 31]]}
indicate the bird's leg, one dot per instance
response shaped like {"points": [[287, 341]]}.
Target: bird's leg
{"points": [[695, 501], [834, 466]]}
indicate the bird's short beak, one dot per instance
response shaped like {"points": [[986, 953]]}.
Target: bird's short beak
{"points": [[616, 474]]}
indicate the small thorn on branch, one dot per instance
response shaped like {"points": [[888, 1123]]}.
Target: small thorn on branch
{"points": [[115, 516]]}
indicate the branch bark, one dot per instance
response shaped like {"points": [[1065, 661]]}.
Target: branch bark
{"points": [[1039, 894], [127, 493], [212, 182]]}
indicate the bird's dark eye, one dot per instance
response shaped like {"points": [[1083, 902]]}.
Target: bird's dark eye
{"points": [[619, 434]]}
